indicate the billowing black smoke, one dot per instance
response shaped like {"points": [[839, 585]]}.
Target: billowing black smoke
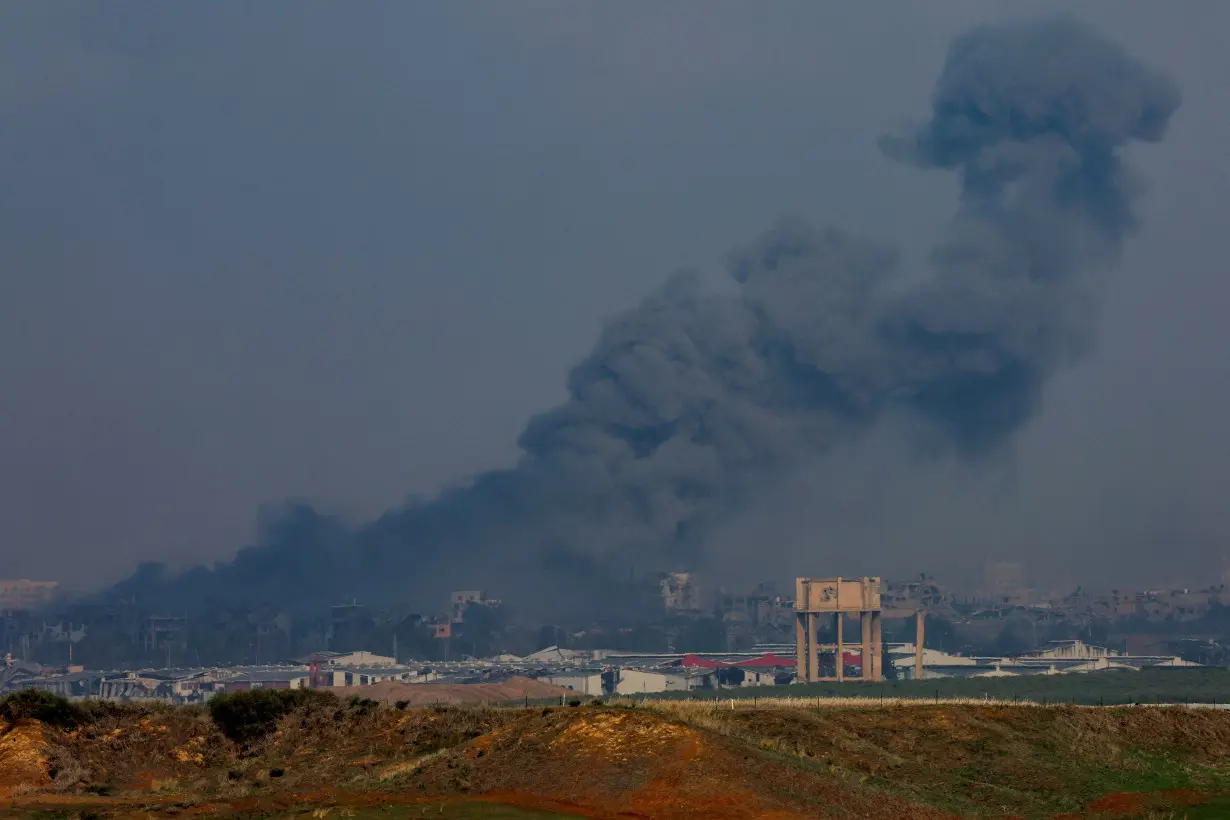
{"points": [[692, 395]]}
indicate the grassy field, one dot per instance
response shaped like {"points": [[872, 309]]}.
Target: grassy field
{"points": [[1109, 688], [867, 758], [996, 760], [472, 810], [441, 811]]}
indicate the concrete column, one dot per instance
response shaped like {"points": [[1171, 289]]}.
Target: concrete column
{"points": [[877, 647], [813, 648], [869, 664], [800, 646], [919, 672], [840, 657]]}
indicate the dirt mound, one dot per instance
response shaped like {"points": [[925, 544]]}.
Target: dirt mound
{"points": [[513, 690], [356, 748], [638, 763], [141, 749], [977, 760], [684, 761], [24, 757]]}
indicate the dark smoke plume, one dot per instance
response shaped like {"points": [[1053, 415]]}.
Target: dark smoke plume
{"points": [[692, 395]]}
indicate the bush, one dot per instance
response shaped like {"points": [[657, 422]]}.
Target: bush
{"points": [[65, 770], [96, 710], [43, 706], [248, 716]]}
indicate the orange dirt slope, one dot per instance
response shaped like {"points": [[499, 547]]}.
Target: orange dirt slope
{"points": [[640, 764], [23, 757]]}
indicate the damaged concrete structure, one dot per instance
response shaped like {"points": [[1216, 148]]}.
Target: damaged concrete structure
{"points": [[835, 598]]}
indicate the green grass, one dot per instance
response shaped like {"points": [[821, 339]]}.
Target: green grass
{"points": [[1216, 809], [1147, 773], [426, 811], [1109, 688], [982, 791], [435, 811], [975, 761]]}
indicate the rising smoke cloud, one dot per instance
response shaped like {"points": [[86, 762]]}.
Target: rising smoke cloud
{"points": [[692, 395]]}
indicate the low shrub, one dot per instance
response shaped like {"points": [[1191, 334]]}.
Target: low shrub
{"points": [[43, 706], [66, 771], [248, 716]]}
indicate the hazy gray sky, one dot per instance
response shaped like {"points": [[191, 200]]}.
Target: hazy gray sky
{"points": [[341, 251]]}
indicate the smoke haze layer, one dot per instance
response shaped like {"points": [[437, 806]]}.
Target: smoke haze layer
{"points": [[692, 397]]}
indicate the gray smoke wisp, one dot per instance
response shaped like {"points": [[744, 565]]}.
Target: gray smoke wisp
{"points": [[692, 394]]}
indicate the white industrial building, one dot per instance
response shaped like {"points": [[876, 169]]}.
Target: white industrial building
{"points": [[651, 681], [1062, 657], [581, 681]]}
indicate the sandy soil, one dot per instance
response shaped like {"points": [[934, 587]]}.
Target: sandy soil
{"points": [[23, 757]]}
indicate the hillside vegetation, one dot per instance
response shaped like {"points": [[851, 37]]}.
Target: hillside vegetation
{"points": [[1108, 688], [316, 755]]}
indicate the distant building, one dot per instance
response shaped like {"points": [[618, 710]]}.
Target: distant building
{"points": [[269, 624], [463, 598], [901, 598], [268, 679], [361, 659], [554, 654], [650, 681], [1060, 657], [755, 608], [327, 669], [581, 681], [58, 633], [1004, 584], [70, 685], [367, 676], [15, 673], [17, 628], [26, 594], [164, 632], [680, 592], [350, 626]]}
